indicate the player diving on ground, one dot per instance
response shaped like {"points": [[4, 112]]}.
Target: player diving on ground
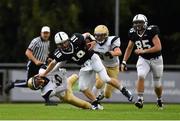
{"points": [[57, 84]]}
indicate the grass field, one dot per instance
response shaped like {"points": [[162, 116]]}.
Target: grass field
{"points": [[65, 111]]}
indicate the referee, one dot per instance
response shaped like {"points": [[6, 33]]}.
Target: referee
{"points": [[37, 53]]}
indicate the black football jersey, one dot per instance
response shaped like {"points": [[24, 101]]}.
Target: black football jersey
{"points": [[79, 53], [145, 41]]}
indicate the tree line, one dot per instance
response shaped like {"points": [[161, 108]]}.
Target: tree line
{"points": [[21, 21]]}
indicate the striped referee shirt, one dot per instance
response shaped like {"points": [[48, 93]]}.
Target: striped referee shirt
{"points": [[39, 48]]}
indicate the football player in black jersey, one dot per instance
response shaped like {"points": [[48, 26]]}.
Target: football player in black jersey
{"points": [[148, 48], [75, 49]]}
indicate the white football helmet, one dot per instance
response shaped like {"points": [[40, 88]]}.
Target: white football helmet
{"points": [[140, 18], [61, 37]]}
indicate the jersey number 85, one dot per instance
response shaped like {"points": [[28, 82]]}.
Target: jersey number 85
{"points": [[142, 44]]}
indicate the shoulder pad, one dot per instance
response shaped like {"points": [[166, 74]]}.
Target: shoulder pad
{"points": [[114, 39], [76, 36], [152, 27], [57, 53], [57, 49], [132, 30]]}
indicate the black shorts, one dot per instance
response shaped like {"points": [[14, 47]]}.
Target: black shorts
{"points": [[32, 69]]}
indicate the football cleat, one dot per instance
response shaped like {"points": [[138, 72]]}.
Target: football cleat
{"points": [[51, 103], [96, 105], [139, 104], [8, 87], [160, 104], [127, 93]]}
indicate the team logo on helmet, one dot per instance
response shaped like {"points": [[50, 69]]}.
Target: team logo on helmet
{"points": [[60, 37]]}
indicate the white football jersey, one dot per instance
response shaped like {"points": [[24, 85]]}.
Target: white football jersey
{"points": [[111, 43], [58, 80]]}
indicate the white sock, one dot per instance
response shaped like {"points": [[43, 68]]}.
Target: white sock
{"points": [[140, 96]]}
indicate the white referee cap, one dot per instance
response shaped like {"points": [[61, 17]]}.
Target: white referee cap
{"points": [[45, 29]]}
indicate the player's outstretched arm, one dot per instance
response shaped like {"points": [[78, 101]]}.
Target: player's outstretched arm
{"points": [[49, 68]]}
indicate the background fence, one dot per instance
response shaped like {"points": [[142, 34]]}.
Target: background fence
{"points": [[170, 81]]}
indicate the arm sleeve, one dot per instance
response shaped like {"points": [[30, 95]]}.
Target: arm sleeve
{"points": [[58, 56], [115, 42]]}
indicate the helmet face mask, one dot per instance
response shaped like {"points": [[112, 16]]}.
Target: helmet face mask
{"points": [[139, 25], [140, 22], [101, 32], [36, 83], [65, 46], [100, 37]]}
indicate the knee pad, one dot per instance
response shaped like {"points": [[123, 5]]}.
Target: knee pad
{"points": [[157, 82], [141, 75]]}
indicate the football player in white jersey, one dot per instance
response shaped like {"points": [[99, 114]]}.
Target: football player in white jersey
{"points": [[108, 48], [148, 48], [57, 84]]}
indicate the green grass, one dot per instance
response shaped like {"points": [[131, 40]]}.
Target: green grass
{"points": [[66, 111]]}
